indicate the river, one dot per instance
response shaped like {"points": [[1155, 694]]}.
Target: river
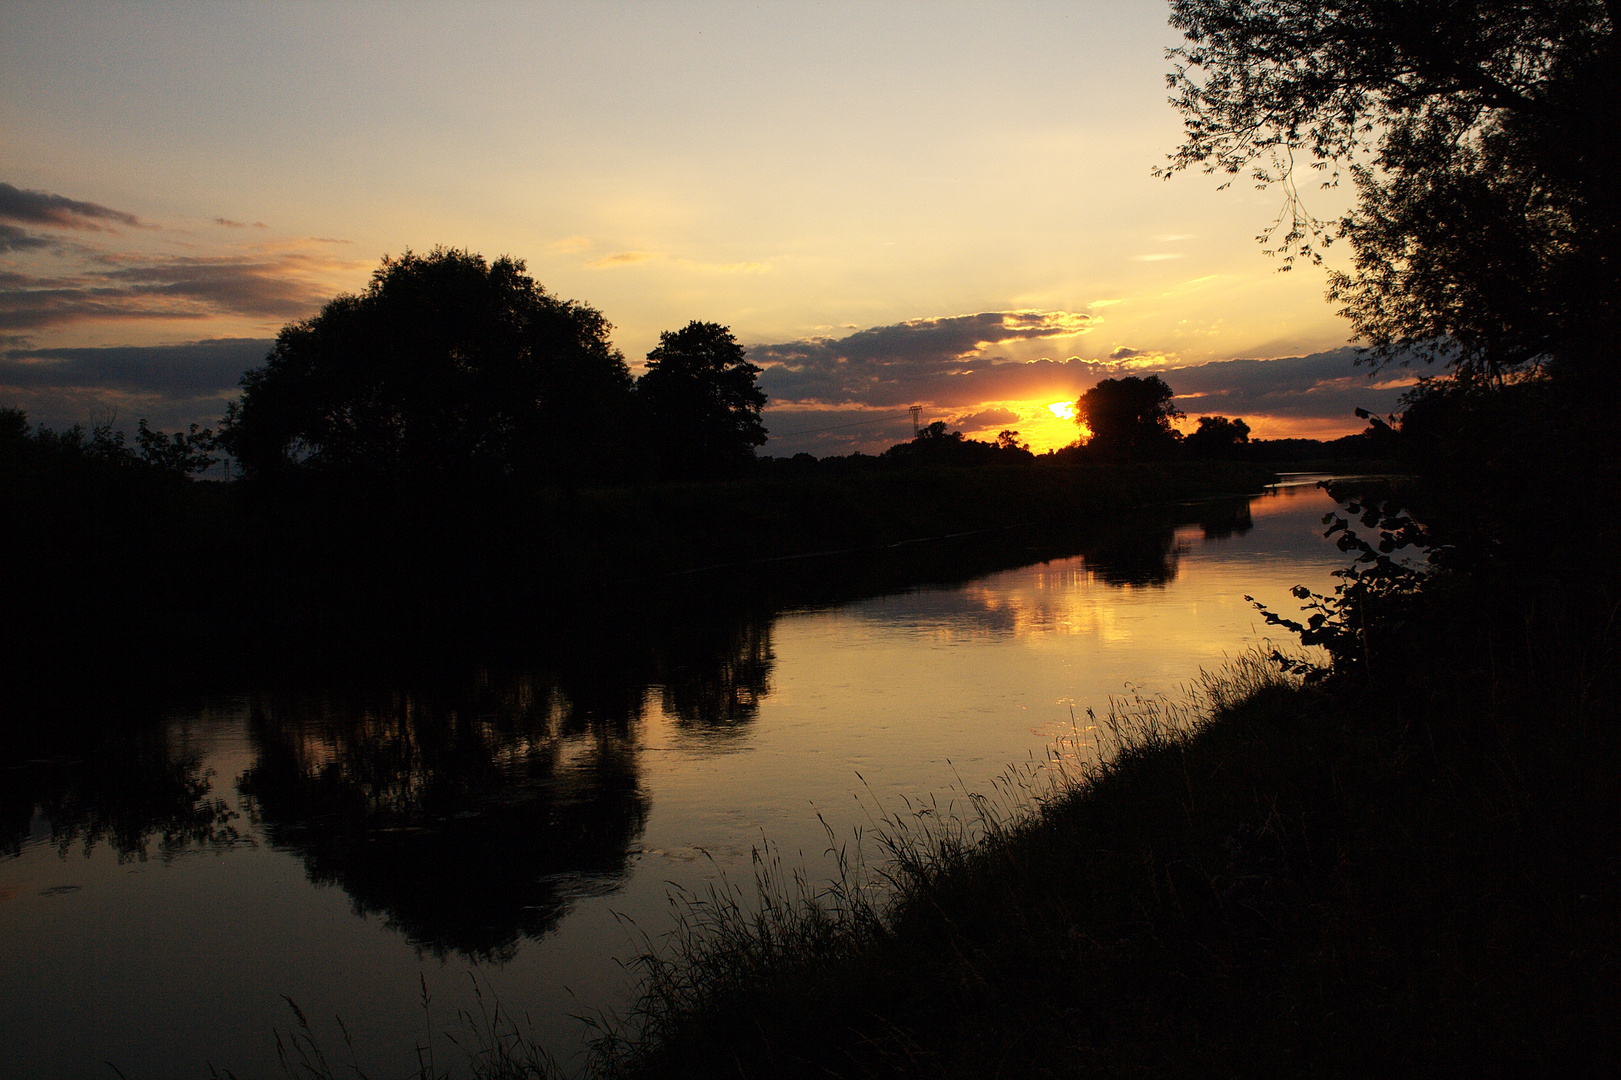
{"points": [[520, 826]]}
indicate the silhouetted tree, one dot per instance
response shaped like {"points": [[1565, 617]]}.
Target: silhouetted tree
{"points": [[1217, 437], [103, 449], [935, 445], [1484, 139], [179, 454], [1130, 418], [1008, 439], [701, 401], [444, 367]]}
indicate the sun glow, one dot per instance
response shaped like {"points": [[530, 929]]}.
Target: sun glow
{"points": [[1064, 410]]}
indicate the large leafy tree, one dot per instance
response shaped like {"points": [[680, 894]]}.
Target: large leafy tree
{"points": [[1482, 138], [1130, 418], [701, 400], [444, 368]]}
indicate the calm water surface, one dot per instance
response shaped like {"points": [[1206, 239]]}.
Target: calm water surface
{"points": [[161, 891]]}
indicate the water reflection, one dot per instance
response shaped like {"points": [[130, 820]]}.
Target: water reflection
{"points": [[470, 802], [717, 686], [470, 818], [1146, 552], [136, 789], [466, 821], [1226, 518]]}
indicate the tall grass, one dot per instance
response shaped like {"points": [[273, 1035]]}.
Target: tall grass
{"points": [[741, 962], [487, 1042]]}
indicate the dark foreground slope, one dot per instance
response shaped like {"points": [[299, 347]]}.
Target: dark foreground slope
{"points": [[1409, 867], [1312, 883]]}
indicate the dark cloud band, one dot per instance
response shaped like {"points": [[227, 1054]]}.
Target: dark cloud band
{"points": [[170, 385], [196, 367], [947, 360], [14, 239], [59, 211], [162, 288]]}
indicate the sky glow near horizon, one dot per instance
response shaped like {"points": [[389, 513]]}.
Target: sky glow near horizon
{"points": [[942, 205]]}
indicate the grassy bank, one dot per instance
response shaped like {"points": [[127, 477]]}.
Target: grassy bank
{"points": [[1410, 865]]}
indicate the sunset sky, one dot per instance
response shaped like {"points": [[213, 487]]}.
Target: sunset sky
{"points": [[943, 205]]}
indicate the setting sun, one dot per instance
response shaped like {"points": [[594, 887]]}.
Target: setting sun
{"points": [[1064, 410]]}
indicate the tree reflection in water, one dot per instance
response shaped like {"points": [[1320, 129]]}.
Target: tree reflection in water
{"points": [[465, 823], [130, 788], [472, 818], [699, 693], [1145, 551], [470, 815], [1226, 518]]}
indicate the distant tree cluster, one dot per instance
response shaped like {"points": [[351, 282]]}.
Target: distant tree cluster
{"points": [[934, 445], [1129, 420], [102, 449]]}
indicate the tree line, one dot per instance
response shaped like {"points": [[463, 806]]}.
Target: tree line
{"points": [[448, 369]]}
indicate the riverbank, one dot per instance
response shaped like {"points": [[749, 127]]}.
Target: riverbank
{"points": [[1407, 863], [202, 579], [1400, 875]]}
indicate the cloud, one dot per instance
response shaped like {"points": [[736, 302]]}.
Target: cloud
{"points": [[170, 385], [14, 239], [958, 365], [198, 366], [950, 361], [229, 224], [570, 245], [271, 285], [1326, 385], [825, 432], [622, 258], [59, 211], [1160, 256], [988, 418]]}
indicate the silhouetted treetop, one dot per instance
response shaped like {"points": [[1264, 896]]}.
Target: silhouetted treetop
{"points": [[1484, 139], [701, 401], [1130, 418], [1217, 436], [445, 366]]}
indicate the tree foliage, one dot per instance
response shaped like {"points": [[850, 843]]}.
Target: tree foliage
{"points": [[1482, 137], [1130, 418], [444, 367], [103, 449], [1217, 436], [701, 401], [936, 444]]}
